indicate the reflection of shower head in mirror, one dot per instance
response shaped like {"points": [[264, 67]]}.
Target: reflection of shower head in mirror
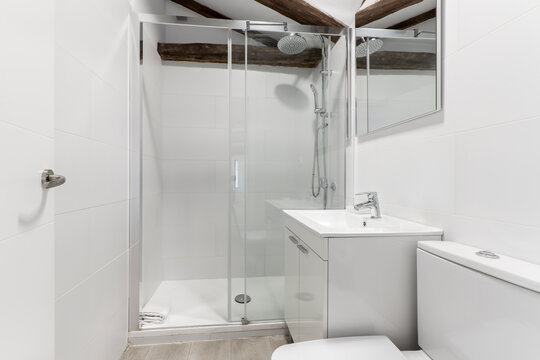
{"points": [[292, 44], [374, 44]]}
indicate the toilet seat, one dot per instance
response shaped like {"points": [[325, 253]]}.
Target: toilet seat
{"points": [[347, 348]]}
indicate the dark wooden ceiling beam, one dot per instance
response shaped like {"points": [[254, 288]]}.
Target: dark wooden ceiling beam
{"points": [[381, 9], [218, 54], [415, 20], [301, 12], [398, 60], [269, 56]]}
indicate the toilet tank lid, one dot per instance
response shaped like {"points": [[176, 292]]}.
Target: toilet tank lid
{"points": [[518, 272]]}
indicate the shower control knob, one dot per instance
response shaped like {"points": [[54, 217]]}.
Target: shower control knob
{"points": [[333, 186]]}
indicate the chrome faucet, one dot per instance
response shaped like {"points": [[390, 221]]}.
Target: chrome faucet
{"points": [[372, 203]]}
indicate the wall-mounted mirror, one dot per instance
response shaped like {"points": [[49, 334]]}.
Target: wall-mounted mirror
{"points": [[398, 75]]}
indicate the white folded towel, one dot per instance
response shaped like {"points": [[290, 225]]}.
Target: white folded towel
{"points": [[153, 314]]}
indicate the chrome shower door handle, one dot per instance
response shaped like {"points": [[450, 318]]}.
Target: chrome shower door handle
{"points": [[50, 180], [235, 176]]}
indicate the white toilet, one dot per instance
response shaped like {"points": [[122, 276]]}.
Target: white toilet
{"points": [[471, 306]]}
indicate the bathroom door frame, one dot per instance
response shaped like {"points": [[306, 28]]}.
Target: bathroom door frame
{"points": [[135, 133]]}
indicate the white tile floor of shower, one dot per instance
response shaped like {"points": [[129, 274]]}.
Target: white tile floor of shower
{"points": [[204, 302]]}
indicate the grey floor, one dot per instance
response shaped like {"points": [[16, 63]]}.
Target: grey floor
{"points": [[252, 348]]}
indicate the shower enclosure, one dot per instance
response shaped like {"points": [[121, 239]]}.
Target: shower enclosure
{"points": [[233, 121]]}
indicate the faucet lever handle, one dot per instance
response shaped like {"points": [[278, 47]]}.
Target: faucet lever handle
{"points": [[371, 195]]}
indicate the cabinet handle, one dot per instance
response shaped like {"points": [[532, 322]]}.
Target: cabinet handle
{"points": [[293, 239], [302, 249]]}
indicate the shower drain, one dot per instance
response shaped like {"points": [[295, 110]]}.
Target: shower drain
{"points": [[242, 299]]}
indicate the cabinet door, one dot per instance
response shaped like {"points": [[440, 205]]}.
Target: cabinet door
{"points": [[312, 295], [292, 269]]}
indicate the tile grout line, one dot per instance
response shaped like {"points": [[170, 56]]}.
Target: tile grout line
{"points": [[95, 273], [147, 357], [27, 130], [26, 231], [116, 202], [189, 350]]}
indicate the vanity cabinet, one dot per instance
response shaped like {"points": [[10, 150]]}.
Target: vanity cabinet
{"points": [[305, 290], [351, 285]]}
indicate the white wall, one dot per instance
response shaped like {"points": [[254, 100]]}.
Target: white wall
{"points": [[92, 151], [472, 169], [26, 148]]}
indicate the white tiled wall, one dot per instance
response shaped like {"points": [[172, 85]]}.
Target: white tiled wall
{"points": [[27, 212], [195, 158], [92, 151], [473, 169]]}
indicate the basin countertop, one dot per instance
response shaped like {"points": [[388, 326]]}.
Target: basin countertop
{"points": [[344, 223]]}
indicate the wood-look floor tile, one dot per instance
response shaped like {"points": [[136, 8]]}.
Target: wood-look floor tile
{"points": [[254, 348], [169, 352], [277, 340], [210, 350], [136, 353]]}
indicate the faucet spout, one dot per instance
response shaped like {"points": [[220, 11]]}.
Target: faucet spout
{"points": [[372, 204]]}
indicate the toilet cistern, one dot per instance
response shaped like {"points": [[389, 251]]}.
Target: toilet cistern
{"points": [[372, 203]]}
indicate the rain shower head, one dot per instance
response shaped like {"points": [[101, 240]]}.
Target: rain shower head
{"points": [[292, 44], [374, 44]]}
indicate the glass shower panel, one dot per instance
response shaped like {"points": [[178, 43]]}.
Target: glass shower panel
{"points": [[294, 149], [185, 176], [237, 166]]}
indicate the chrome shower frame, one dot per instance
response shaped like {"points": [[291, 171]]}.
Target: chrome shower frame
{"points": [[135, 220]]}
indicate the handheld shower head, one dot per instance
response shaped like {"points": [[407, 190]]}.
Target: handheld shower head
{"points": [[315, 96]]}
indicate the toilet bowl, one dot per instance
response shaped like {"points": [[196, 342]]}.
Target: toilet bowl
{"points": [[470, 306]]}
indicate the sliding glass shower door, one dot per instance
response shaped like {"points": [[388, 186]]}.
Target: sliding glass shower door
{"points": [[293, 149], [237, 165]]}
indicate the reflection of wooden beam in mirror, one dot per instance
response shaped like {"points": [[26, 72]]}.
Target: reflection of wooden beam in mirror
{"points": [[218, 54], [381, 9], [213, 14], [301, 12], [415, 20], [399, 60]]}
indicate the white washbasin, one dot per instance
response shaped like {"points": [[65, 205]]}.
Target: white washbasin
{"points": [[343, 223]]}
